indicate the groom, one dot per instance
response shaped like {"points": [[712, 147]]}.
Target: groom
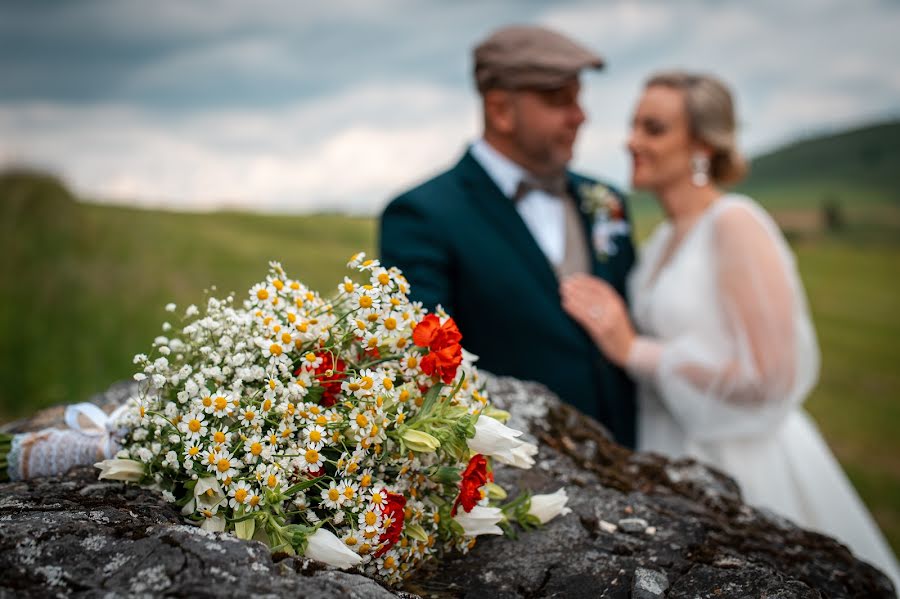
{"points": [[491, 239]]}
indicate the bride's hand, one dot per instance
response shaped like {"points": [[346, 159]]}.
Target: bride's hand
{"points": [[599, 309]]}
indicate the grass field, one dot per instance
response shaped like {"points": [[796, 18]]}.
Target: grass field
{"points": [[83, 286]]}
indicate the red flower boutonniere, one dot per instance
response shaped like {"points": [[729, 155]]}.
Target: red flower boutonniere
{"points": [[607, 215]]}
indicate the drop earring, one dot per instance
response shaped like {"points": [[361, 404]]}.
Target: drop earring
{"points": [[699, 169]]}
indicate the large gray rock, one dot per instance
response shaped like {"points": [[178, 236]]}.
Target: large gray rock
{"points": [[73, 535], [642, 526]]}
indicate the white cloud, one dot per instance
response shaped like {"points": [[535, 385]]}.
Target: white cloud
{"points": [[388, 99], [335, 154], [605, 26], [234, 58]]}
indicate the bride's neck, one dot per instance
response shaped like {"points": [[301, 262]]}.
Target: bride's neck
{"points": [[684, 202]]}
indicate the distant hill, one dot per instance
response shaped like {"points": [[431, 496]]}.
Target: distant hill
{"points": [[858, 165]]}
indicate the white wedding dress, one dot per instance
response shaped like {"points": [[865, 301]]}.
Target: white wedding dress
{"points": [[725, 356]]}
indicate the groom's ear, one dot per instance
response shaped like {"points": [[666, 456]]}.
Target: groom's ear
{"points": [[499, 111]]}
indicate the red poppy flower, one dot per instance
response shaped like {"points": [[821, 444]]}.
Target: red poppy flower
{"points": [[444, 352], [394, 511], [474, 477]]}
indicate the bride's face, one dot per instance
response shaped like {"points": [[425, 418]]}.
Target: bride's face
{"points": [[660, 143]]}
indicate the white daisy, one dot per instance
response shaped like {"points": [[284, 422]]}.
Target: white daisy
{"points": [[225, 466], [193, 426], [239, 493], [315, 435], [332, 498]]}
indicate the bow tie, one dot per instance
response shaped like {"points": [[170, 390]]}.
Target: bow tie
{"points": [[553, 186]]}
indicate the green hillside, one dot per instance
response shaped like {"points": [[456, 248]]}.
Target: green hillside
{"points": [[862, 165]]}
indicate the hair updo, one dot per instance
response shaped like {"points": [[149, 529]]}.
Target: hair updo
{"points": [[710, 115]]}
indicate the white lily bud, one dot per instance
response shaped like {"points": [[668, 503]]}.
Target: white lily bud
{"points": [[420, 441], [497, 440], [548, 507], [324, 547], [480, 521], [120, 469]]}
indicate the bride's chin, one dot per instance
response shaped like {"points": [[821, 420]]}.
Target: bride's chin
{"points": [[638, 184]]}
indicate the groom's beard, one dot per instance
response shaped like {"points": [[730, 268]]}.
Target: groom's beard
{"points": [[545, 158]]}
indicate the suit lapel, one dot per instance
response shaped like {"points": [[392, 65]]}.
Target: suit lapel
{"points": [[503, 217]]}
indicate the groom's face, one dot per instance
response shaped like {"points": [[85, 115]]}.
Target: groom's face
{"points": [[542, 126]]}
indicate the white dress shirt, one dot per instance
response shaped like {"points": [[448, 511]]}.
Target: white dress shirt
{"points": [[544, 215]]}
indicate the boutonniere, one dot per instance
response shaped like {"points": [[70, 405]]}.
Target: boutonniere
{"points": [[607, 217]]}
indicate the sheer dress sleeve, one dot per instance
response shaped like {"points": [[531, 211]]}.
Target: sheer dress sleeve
{"points": [[771, 358]]}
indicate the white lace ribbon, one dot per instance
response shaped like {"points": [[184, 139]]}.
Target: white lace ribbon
{"points": [[51, 451]]}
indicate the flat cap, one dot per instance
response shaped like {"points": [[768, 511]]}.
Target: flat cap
{"points": [[529, 57]]}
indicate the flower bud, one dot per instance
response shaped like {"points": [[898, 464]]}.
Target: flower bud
{"points": [[245, 529], [480, 521], [495, 491], [119, 469], [547, 507], [414, 531], [419, 441], [499, 441], [325, 547]]}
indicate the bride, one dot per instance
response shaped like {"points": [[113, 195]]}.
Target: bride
{"points": [[721, 345]]}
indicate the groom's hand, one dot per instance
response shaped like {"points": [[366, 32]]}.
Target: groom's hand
{"points": [[596, 306]]}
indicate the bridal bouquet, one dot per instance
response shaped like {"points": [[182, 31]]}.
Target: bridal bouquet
{"points": [[353, 430]]}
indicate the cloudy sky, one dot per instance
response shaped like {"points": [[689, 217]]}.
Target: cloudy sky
{"points": [[287, 106]]}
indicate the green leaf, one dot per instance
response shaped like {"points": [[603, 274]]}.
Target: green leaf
{"points": [[243, 518], [315, 394], [300, 487], [508, 530], [457, 528], [430, 399], [446, 475]]}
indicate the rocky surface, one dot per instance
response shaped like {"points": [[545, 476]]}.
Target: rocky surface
{"points": [[642, 526]]}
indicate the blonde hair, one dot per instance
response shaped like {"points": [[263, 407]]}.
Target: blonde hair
{"points": [[711, 120]]}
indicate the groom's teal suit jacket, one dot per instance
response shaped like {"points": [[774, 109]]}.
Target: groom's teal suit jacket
{"points": [[461, 243]]}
